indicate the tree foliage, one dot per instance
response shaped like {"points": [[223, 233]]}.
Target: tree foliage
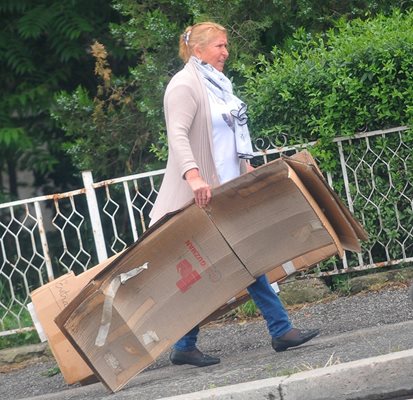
{"points": [[112, 122], [129, 132], [42, 50], [101, 132], [112, 132]]}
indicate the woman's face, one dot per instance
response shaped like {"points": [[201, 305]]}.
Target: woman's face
{"points": [[215, 52]]}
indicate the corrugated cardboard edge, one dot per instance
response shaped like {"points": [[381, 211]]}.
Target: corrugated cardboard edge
{"points": [[321, 193], [317, 209], [306, 158], [60, 322]]}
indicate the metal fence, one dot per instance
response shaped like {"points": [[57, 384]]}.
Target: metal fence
{"points": [[44, 237]]}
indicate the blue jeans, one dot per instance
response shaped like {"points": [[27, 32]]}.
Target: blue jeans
{"points": [[271, 309]]}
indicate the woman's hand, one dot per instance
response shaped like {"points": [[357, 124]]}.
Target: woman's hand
{"points": [[201, 190]]}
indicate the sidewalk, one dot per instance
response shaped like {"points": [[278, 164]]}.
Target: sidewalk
{"points": [[365, 350]]}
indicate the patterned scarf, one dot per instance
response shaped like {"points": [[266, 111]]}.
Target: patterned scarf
{"points": [[221, 86]]}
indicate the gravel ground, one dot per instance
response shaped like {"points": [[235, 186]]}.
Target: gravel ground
{"points": [[247, 345]]}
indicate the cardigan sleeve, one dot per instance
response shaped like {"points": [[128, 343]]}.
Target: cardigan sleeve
{"points": [[180, 107]]}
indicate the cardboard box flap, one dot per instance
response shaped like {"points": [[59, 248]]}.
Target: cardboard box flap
{"points": [[48, 301], [328, 204], [268, 217], [305, 157], [301, 162]]}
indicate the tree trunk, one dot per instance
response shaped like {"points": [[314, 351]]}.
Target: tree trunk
{"points": [[11, 166]]}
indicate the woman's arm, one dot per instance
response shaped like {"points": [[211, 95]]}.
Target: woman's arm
{"points": [[181, 105]]}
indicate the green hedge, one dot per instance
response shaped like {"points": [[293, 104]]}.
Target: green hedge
{"points": [[358, 76]]}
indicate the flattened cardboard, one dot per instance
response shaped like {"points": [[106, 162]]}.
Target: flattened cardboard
{"points": [[349, 230], [48, 301], [268, 218], [191, 271]]}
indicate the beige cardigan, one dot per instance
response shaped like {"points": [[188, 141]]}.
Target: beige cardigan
{"points": [[190, 144]]}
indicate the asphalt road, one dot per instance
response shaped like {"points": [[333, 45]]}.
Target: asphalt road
{"points": [[352, 328]]}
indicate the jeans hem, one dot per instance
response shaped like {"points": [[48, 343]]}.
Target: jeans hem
{"points": [[184, 348]]}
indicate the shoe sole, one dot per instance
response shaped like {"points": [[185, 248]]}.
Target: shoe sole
{"points": [[194, 364], [178, 362]]}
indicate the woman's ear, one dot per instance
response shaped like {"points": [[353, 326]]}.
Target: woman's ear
{"points": [[197, 51]]}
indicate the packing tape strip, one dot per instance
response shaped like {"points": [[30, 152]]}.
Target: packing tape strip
{"points": [[289, 268], [110, 294], [149, 337], [37, 323]]}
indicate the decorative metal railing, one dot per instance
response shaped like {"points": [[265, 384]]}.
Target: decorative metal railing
{"points": [[44, 237]]}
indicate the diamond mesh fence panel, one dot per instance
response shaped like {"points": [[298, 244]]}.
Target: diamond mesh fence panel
{"points": [[45, 237]]}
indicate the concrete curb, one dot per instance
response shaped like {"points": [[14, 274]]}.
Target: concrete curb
{"points": [[19, 354], [373, 378]]}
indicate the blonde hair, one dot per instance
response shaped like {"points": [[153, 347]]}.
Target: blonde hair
{"points": [[199, 34]]}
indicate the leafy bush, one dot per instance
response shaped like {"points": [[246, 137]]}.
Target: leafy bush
{"points": [[355, 77], [19, 339]]}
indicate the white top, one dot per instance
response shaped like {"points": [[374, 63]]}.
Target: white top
{"points": [[227, 162]]}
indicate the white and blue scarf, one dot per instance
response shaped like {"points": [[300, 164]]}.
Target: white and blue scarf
{"points": [[221, 86]]}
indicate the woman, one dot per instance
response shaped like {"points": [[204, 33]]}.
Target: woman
{"points": [[209, 144]]}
